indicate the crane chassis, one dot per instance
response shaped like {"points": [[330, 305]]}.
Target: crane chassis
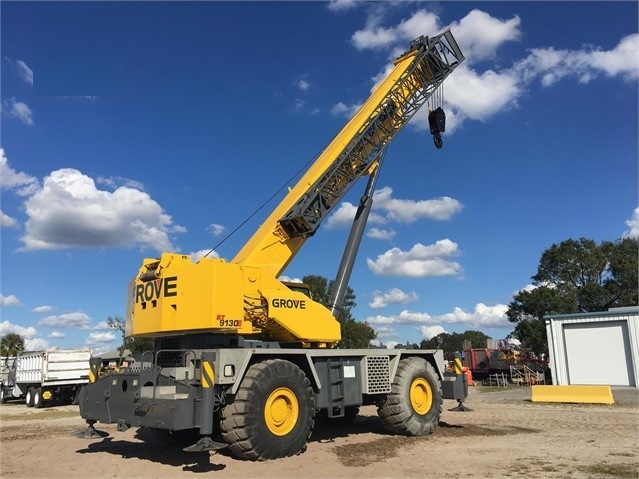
{"points": [[246, 361]]}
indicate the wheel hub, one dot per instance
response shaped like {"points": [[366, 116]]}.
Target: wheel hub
{"points": [[421, 396], [281, 411]]}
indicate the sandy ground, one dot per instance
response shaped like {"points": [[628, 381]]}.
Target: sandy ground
{"points": [[505, 435]]}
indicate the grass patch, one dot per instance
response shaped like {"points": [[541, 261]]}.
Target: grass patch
{"points": [[45, 414], [623, 471], [11, 433]]}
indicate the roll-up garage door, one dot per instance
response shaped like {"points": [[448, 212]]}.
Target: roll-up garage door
{"points": [[598, 353]]}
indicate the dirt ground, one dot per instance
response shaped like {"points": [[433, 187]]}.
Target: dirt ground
{"points": [[505, 435]]}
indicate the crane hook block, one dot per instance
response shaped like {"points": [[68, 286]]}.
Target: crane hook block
{"points": [[437, 124]]}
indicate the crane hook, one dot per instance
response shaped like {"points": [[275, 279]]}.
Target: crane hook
{"points": [[437, 138], [437, 124]]}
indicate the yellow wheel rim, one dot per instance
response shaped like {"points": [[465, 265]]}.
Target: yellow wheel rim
{"points": [[421, 396], [281, 411]]}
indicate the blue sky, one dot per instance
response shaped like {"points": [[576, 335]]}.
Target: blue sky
{"points": [[129, 129]]}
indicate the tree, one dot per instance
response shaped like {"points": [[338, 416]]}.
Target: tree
{"points": [[355, 334], [11, 345], [453, 342], [575, 276], [135, 345]]}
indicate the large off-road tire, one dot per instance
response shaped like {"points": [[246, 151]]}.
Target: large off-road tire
{"points": [[28, 400], [3, 395], [414, 405], [271, 416], [38, 402]]}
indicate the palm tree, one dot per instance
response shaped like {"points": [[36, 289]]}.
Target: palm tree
{"points": [[11, 345]]}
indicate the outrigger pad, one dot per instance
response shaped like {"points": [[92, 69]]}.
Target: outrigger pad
{"points": [[90, 433], [461, 408], [205, 444]]}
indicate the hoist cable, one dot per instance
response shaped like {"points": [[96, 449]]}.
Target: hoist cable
{"points": [[284, 185]]}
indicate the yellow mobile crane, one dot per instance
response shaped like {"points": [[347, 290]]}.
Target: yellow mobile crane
{"points": [[242, 355]]}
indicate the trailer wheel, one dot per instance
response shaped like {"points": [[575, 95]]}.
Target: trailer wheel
{"points": [[29, 397], [38, 402], [414, 405], [272, 413]]}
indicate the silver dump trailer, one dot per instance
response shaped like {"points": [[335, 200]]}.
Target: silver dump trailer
{"points": [[41, 377]]}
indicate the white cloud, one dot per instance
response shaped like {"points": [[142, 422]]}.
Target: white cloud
{"points": [[414, 317], [392, 296], [375, 36], [19, 110], [381, 319], [7, 221], [216, 230], [299, 104], [117, 181], [57, 335], [342, 216], [303, 85], [621, 60], [479, 34], [343, 110], [409, 211], [198, 255], [36, 344], [552, 65], [387, 209], [383, 234], [477, 96], [7, 327], [342, 5], [70, 212], [42, 309], [13, 180], [429, 332], [528, 288], [419, 262], [482, 316], [480, 95], [386, 333], [10, 300], [77, 320], [100, 338], [25, 72], [633, 226], [473, 94]]}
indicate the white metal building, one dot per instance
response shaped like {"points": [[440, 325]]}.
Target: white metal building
{"points": [[595, 348]]}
